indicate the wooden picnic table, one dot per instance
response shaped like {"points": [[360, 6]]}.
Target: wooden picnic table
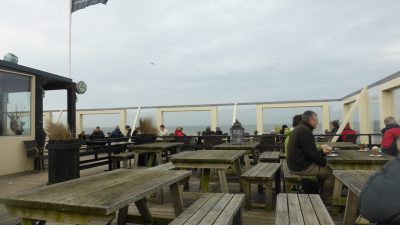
{"points": [[221, 160], [155, 149], [341, 145], [354, 180], [249, 146], [357, 160], [96, 199]]}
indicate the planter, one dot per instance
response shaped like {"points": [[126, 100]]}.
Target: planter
{"points": [[63, 160]]}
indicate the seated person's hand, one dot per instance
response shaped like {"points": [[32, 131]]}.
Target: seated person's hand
{"points": [[326, 149]]}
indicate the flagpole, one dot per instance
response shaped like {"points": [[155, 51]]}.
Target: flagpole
{"points": [[69, 39]]}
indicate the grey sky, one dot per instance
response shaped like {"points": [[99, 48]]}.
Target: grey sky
{"points": [[209, 51]]}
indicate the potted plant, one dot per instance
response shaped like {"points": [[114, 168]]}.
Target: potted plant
{"points": [[148, 131], [63, 153]]}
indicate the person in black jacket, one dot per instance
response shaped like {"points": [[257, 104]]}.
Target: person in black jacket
{"points": [[304, 157], [379, 199]]}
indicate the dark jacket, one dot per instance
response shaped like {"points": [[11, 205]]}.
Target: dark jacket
{"points": [[379, 201], [302, 151], [116, 133]]}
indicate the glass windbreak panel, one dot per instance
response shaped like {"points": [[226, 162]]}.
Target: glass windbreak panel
{"points": [[15, 104]]}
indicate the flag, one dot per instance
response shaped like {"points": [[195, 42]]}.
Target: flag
{"points": [[80, 4]]}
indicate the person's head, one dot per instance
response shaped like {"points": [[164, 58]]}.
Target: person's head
{"points": [[296, 120], [97, 128], [284, 126], [335, 124], [310, 118], [217, 128], [117, 127], [208, 129], [390, 120], [162, 127], [82, 132], [347, 125]]}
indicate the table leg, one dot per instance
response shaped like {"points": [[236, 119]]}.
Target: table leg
{"points": [[268, 196], [350, 213], [238, 170], [159, 158], [122, 216], [247, 160], [337, 192], [223, 181], [205, 176], [136, 160], [151, 160], [247, 194], [176, 198], [178, 149], [255, 157], [144, 211]]}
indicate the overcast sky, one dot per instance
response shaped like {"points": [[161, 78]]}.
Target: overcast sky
{"points": [[166, 52]]}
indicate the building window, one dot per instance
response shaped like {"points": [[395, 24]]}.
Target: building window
{"points": [[15, 104]]}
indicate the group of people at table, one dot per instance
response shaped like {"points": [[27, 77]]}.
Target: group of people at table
{"points": [[378, 201]]}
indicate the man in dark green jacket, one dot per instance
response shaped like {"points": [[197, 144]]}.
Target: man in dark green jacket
{"points": [[304, 157]]}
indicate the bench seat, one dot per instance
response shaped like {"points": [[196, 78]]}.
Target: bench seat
{"points": [[264, 174], [292, 179], [296, 209], [270, 157], [213, 208]]}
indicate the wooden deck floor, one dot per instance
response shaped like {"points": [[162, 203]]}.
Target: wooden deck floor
{"points": [[18, 183]]}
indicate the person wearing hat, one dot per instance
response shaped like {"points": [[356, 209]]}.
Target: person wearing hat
{"points": [[128, 131]]}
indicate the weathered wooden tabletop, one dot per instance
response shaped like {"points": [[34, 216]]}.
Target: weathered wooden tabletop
{"points": [[354, 180], [100, 194], [341, 145], [249, 145], [353, 159], [208, 156]]}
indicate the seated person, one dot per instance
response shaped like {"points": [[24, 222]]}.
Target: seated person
{"points": [[218, 131], [116, 133], [347, 134], [128, 131], [304, 157], [97, 134], [390, 132], [207, 132], [163, 131], [179, 132], [379, 199]]}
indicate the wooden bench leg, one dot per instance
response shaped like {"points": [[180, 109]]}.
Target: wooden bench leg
{"points": [[350, 213], [151, 160], [176, 198], [125, 163], [159, 158], [337, 192], [136, 160], [122, 216], [238, 217], [115, 164], [238, 170], [247, 161], [268, 196], [205, 176], [247, 194], [223, 181], [144, 211]]}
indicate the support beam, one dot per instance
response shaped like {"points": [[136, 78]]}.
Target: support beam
{"points": [[349, 115], [234, 117]]}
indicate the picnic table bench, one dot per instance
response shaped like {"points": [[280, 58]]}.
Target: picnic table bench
{"points": [[213, 208], [123, 157], [249, 146], [270, 157], [303, 209], [220, 160], [354, 180], [262, 173], [290, 179], [97, 198], [155, 150]]}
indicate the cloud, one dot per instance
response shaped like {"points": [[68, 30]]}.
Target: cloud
{"points": [[206, 51]]}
